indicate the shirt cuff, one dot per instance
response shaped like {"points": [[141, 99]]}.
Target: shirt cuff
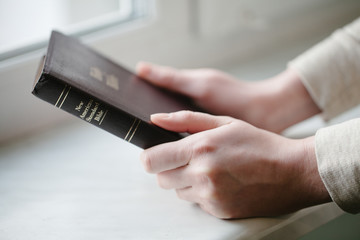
{"points": [[338, 158]]}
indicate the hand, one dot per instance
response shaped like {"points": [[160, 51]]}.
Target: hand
{"points": [[272, 104], [233, 169]]}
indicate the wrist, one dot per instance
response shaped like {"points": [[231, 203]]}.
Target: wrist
{"points": [[292, 100], [308, 181]]}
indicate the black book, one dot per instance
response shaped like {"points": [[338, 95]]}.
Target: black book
{"points": [[80, 81]]}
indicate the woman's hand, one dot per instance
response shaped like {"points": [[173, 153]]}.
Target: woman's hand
{"points": [[233, 169], [272, 104]]}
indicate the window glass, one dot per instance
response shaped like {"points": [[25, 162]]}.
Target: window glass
{"points": [[25, 25]]}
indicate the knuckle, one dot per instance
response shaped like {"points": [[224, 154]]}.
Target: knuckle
{"points": [[162, 182], [208, 81], [206, 176], [187, 114], [216, 206], [203, 178], [229, 120], [209, 195], [208, 179], [207, 172], [146, 162], [203, 147], [179, 194], [170, 76], [183, 115], [214, 210], [205, 93]]}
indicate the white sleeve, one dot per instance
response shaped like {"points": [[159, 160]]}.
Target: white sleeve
{"points": [[338, 158], [331, 73]]}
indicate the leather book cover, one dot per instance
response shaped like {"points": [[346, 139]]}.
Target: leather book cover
{"points": [[79, 80]]}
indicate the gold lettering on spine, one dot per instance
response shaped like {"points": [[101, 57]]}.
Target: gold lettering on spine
{"points": [[60, 96], [67, 93], [128, 133], [99, 115], [93, 112], [79, 107], [103, 117], [88, 106], [132, 135]]}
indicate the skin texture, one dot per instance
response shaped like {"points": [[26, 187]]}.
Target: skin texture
{"points": [[236, 168], [273, 104]]}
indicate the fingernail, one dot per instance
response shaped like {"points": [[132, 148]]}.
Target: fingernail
{"points": [[160, 116], [143, 68]]}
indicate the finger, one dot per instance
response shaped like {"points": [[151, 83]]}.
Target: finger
{"points": [[187, 194], [191, 194], [187, 121], [176, 178], [167, 77], [166, 156]]}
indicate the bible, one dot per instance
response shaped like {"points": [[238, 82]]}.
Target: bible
{"points": [[82, 82]]}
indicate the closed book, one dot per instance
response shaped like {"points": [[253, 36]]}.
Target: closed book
{"points": [[82, 82]]}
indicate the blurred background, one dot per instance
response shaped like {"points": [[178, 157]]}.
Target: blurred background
{"points": [[251, 39]]}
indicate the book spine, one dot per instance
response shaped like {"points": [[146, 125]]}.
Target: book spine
{"points": [[96, 112]]}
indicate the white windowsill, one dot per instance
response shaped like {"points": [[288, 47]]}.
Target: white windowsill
{"points": [[77, 181]]}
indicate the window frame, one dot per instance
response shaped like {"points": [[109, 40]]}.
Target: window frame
{"points": [[134, 10]]}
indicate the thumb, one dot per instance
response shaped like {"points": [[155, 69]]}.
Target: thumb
{"points": [[167, 77], [187, 121]]}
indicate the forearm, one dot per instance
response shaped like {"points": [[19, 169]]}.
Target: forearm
{"points": [[280, 102], [293, 100]]}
